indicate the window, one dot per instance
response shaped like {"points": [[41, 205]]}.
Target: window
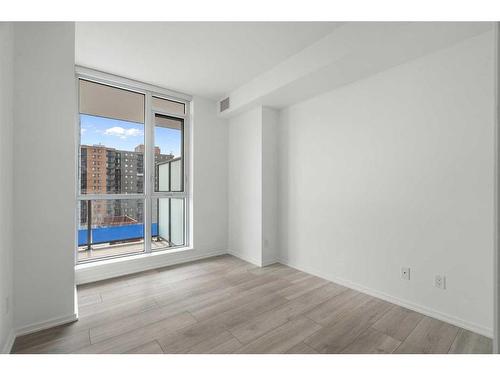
{"points": [[168, 136], [138, 203]]}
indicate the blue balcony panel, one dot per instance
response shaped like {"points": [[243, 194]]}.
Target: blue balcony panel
{"points": [[115, 233]]}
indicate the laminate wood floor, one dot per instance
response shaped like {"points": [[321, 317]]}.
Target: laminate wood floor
{"points": [[225, 305]]}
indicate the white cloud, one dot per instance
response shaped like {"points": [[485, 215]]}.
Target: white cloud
{"points": [[118, 131]]}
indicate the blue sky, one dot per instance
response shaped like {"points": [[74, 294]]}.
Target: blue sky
{"points": [[124, 135]]}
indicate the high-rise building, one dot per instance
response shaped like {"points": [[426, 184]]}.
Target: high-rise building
{"points": [[105, 170]]}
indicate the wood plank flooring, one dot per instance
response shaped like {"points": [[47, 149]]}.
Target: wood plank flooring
{"points": [[225, 305]]}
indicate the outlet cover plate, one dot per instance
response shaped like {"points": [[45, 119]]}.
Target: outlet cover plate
{"points": [[405, 273], [440, 281]]}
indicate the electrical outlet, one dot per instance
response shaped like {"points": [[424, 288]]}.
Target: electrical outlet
{"points": [[405, 273], [440, 281]]}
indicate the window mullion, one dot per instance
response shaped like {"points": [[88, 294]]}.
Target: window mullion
{"points": [[84, 197], [148, 173]]}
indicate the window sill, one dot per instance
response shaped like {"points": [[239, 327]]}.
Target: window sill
{"points": [[128, 258], [109, 268]]}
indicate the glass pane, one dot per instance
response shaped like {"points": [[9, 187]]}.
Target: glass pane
{"points": [[168, 153], [116, 228], [175, 171], [169, 106], [168, 223], [177, 222], [111, 140], [163, 177]]}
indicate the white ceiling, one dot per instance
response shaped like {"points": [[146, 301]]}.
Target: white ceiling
{"points": [[352, 52], [198, 58]]}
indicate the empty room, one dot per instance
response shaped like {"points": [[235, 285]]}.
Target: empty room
{"points": [[319, 187]]}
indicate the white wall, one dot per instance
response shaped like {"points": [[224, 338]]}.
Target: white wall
{"points": [[270, 125], [397, 170], [210, 142], [253, 186], [496, 286], [6, 185], [44, 173], [245, 186]]}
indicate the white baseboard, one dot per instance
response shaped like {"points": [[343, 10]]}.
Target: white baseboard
{"points": [[269, 262], [91, 272], [7, 347], [31, 328], [254, 261], [485, 331]]}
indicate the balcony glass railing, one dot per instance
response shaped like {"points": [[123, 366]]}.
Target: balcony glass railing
{"points": [[110, 227], [113, 227]]}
